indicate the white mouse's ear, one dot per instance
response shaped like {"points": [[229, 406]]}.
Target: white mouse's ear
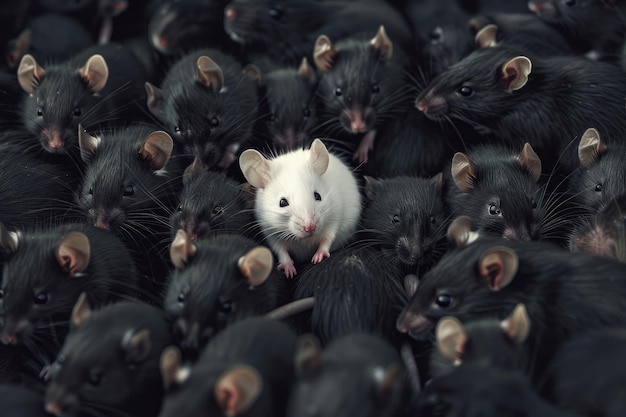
{"points": [[255, 168], [319, 157]]}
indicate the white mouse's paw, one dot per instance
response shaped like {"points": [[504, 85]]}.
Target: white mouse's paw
{"points": [[289, 268], [319, 256]]}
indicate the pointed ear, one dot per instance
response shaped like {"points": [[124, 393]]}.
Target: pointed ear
{"points": [[515, 73], [182, 249], [411, 282], [386, 383], [308, 359], [254, 72], [20, 46], [324, 53], [81, 311], [74, 252], [437, 179], [255, 168], [451, 338], [136, 345], [157, 148], [88, 144], [238, 389], [256, 265], [95, 73], [371, 184], [172, 371], [590, 148], [517, 325], [193, 170], [382, 43], [155, 101], [307, 72], [486, 37], [529, 160], [319, 157], [463, 172], [498, 266], [29, 73], [209, 74], [8, 240]]}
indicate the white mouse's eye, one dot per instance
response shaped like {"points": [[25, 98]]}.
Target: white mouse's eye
{"points": [[317, 196], [284, 202]]}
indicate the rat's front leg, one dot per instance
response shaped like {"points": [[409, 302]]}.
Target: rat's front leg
{"points": [[365, 146], [323, 250], [285, 263]]}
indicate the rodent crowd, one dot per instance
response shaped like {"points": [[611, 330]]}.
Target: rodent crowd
{"points": [[282, 208]]}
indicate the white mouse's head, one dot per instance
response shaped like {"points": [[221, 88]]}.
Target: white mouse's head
{"points": [[293, 194]]}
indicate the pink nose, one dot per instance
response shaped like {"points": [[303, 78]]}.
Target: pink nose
{"points": [[421, 106], [309, 228], [230, 13]]}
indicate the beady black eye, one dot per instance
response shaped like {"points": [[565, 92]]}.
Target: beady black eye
{"points": [[436, 35], [39, 111], [226, 306], [306, 113], [443, 300], [275, 13], [432, 220], [569, 3], [338, 92], [396, 218], [90, 190], [494, 210], [466, 91], [317, 196], [215, 122], [375, 88], [95, 378], [181, 297], [283, 202], [41, 298], [129, 191], [533, 203], [218, 210], [179, 208], [77, 111], [598, 187], [177, 129]]}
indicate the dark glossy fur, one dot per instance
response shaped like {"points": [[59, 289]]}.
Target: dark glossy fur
{"points": [[564, 293], [267, 345], [355, 291], [211, 293], [94, 374], [189, 107], [407, 219]]}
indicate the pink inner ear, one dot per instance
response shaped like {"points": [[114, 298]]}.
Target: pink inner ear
{"points": [[227, 399], [66, 262], [494, 275]]}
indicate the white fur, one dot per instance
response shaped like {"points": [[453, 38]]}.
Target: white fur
{"points": [[335, 216]]}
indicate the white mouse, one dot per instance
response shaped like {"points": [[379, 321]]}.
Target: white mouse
{"points": [[307, 202]]}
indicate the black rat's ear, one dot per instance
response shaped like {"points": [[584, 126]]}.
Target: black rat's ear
{"points": [[498, 266], [81, 311], [209, 74], [155, 101], [237, 389], [515, 73], [29, 74], [324, 53], [254, 73], [590, 148], [486, 37], [308, 360], [307, 72], [529, 160], [460, 231], [371, 184], [517, 325], [95, 73], [451, 338], [463, 172], [182, 249], [74, 253], [382, 43]]}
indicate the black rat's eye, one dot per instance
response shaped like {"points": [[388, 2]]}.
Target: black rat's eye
{"points": [[218, 210], [443, 300], [338, 92], [533, 203], [41, 298], [306, 113], [215, 122], [275, 13], [39, 111], [129, 191], [396, 218], [226, 306], [436, 35], [598, 187], [283, 202], [77, 111], [432, 220], [181, 297], [177, 129], [375, 88], [494, 210], [466, 91]]}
